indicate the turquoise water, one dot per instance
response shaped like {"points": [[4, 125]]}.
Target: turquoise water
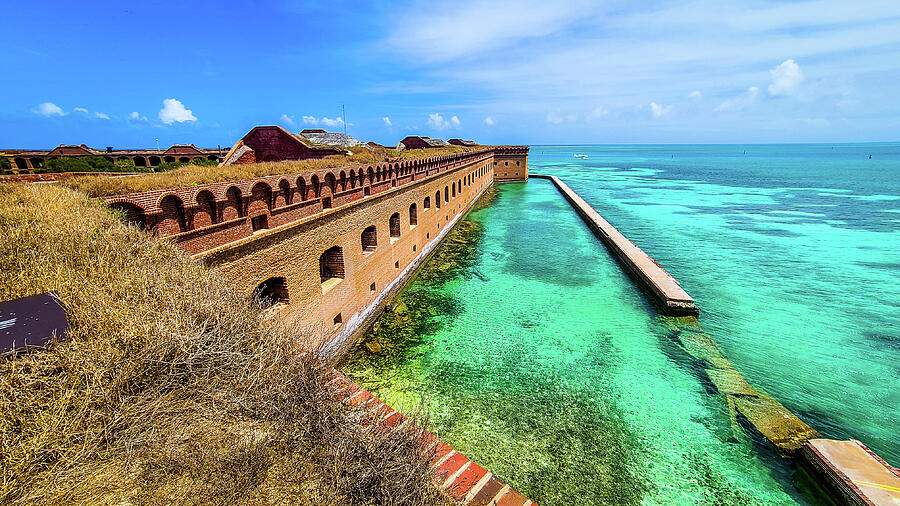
{"points": [[538, 358]]}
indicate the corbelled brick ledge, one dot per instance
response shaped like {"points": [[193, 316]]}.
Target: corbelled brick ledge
{"points": [[204, 217], [464, 480]]}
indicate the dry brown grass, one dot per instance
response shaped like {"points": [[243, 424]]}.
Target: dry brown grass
{"points": [[169, 390], [192, 175]]}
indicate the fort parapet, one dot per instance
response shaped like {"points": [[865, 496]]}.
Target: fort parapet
{"points": [[327, 247]]}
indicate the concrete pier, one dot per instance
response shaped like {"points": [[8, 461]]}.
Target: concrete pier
{"points": [[669, 295], [850, 473]]}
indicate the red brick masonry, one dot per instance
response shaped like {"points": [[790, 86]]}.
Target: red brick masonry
{"points": [[464, 480]]}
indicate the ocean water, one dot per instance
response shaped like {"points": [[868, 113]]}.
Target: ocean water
{"points": [[536, 356]]}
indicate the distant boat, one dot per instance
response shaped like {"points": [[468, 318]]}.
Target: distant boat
{"points": [[583, 157]]}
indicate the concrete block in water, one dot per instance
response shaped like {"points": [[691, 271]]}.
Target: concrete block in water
{"points": [[730, 382], [850, 473], [787, 432]]}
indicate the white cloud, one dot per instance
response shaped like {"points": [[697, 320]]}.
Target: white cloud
{"points": [[696, 95], [48, 109], [437, 122], [324, 121], [101, 115], [387, 122], [80, 109], [137, 117], [660, 110], [554, 117], [173, 110], [489, 121], [785, 78], [490, 24], [288, 120], [598, 112], [332, 122], [739, 102]]}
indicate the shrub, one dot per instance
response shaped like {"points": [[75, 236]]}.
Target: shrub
{"points": [[5, 165], [170, 388]]}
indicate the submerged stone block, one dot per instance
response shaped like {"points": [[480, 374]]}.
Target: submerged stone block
{"points": [[730, 382], [775, 422], [702, 347]]}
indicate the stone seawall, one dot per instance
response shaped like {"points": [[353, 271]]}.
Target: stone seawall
{"points": [[666, 291], [846, 472]]}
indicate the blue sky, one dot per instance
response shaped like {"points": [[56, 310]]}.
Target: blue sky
{"points": [[538, 72]]}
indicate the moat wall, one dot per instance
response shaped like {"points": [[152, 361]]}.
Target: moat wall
{"points": [[336, 307], [335, 248]]}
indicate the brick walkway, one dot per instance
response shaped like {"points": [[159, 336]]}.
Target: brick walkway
{"points": [[464, 480]]}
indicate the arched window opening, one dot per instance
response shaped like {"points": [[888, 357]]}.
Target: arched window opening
{"points": [[205, 213], [172, 216], [331, 266], [21, 164], [427, 203], [395, 227], [286, 194], [437, 200], [184, 159], [271, 292], [301, 188], [140, 161], [233, 204], [154, 161], [133, 214], [446, 194], [369, 239], [331, 182], [169, 159], [454, 189], [413, 219], [316, 187], [260, 198]]}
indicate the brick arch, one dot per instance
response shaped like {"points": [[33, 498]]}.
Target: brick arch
{"points": [[316, 186], [330, 182], [342, 179], [134, 214], [205, 212], [234, 204], [284, 195], [260, 198], [370, 173], [301, 188], [172, 217], [353, 178]]}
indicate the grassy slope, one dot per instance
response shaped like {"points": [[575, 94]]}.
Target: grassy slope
{"points": [[170, 389], [191, 175]]}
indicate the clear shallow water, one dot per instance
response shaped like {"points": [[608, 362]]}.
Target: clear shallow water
{"points": [[792, 254], [539, 359]]}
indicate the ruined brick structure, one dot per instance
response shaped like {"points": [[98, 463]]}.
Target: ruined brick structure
{"points": [[275, 144], [334, 244], [27, 160]]}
